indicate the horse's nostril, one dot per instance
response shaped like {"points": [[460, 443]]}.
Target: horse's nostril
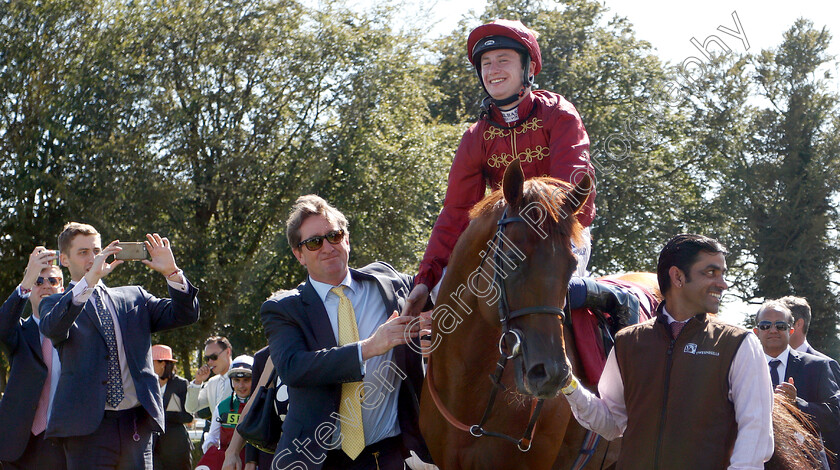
{"points": [[537, 375]]}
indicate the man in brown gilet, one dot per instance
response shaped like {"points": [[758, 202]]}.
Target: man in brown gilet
{"points": [[686, 390]]}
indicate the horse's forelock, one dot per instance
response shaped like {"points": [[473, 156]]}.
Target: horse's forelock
{"points": [[543, 190]]}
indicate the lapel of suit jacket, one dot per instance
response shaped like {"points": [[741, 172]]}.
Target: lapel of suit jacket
{"points": [[32, 337], [794, 367], [316, 314], [170, 386], [389, 298], [386, 290], [90, 309], [120, 305]]}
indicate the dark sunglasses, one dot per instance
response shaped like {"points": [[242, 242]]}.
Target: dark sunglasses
{"points": [[780, 325], [313, 244], [212, 357], [54, 281]]}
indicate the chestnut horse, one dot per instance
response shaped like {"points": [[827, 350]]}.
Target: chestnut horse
{"points": [[500, 304]]}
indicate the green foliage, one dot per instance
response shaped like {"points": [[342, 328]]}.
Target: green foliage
{"points": [[773, 165], [204, 121]]}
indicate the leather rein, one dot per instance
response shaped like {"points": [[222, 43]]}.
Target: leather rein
{"points": [[505, 315]]}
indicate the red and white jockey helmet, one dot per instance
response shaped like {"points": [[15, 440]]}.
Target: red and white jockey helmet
{"points": [[506, 34]]}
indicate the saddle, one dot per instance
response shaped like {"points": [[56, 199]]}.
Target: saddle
{"points": [[592, 335]]}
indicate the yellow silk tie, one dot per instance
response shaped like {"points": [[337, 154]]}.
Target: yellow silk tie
{"points": [[352, 437]]}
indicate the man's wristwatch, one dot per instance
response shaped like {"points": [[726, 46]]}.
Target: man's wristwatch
{"points": [[569, 389]]}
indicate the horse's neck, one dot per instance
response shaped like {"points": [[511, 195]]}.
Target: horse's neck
{"points": [[463, 361]]}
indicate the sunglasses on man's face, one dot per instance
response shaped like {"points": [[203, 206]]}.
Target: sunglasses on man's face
{"points": [[780, 325], [54, 281], [212, 357], [314, 243]]}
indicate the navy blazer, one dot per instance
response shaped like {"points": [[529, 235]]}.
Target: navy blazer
{"points": [[313, 366], [817, 394], [22, 343], [835, 368], [79, 403]]}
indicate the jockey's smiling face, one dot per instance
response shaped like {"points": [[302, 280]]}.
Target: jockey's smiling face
{"points": [[702, 287], [501, 71]]}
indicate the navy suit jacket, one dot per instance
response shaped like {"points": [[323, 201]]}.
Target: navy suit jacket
{"points": [[76, 331], [835, 368], [313, 366], [22, 343], [817, 394]]}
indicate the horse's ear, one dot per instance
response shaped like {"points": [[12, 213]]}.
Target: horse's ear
{"points": [[580, 193], [513, 183]]}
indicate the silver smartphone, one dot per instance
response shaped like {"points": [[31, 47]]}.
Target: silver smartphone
{"points": [[132, 251]]}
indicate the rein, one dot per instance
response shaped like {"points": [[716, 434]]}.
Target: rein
{"points": [[505, 315]]}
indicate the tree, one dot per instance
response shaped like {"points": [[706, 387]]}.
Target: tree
{"points": [[773, 170], [796, 157]]}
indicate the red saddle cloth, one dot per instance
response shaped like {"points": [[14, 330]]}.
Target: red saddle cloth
{"points": [[588, 338]]}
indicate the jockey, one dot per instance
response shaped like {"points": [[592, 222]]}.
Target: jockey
{"points": [[538, 127]]}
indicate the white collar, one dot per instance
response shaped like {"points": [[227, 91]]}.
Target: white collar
{"points": [[782, 357], [669, 318], [323, 288]]}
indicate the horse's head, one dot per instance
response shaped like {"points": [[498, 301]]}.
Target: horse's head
{"points": [[532, 263]]}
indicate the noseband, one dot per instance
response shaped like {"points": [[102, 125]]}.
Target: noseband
{"points": [[514, 349]]}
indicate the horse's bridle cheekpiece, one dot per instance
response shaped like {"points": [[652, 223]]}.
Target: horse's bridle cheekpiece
{"points": [[507, 350]]}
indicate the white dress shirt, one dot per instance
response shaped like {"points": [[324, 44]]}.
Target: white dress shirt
{"points": [[749, 391]]}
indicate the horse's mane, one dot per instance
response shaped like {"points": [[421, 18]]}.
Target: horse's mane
{"points": [[796, 441], [551, 194]]}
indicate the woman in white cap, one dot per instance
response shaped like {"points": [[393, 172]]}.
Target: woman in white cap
{"points": [[173, 448], [226, 415]]}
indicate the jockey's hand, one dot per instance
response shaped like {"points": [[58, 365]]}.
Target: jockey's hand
{"points": [[787, 390], [416, 300]]}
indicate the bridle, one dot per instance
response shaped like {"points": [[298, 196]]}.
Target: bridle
{"points": [[515, 349]]}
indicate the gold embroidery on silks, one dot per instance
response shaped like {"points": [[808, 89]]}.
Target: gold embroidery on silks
{"points": [[527, 155], [531, 125], [500, 161], [493, 132]]}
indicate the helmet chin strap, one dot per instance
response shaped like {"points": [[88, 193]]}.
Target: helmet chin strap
{"points": [[527, 81], [510, 99]]}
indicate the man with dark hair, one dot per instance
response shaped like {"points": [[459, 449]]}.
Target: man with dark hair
{"points": [[353, 384], [684, 386], [205, 391], [108, 401], [803, 379], [35, 368]]}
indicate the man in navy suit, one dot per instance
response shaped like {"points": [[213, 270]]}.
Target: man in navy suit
{"points": [[108, 401], [801, 311], [353, 383], [802, 378], [35, 368]]}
